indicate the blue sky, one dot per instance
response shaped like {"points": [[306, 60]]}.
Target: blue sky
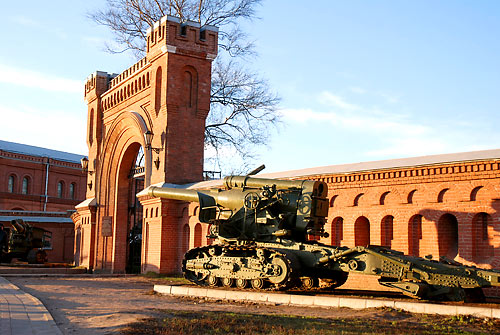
{"points": [[359, 80]]}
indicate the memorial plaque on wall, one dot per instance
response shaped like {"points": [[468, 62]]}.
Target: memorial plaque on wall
{"points": [[107, 226]]}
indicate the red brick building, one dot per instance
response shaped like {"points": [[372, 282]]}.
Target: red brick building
{"points": [[145, 126], [42, 187], [444, 205]]}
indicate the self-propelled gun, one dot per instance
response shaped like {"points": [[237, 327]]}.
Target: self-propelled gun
{"points": [[263, 228]]}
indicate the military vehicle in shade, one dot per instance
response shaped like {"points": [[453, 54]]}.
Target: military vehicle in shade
{"points": [[26, 242], [265, 231]]}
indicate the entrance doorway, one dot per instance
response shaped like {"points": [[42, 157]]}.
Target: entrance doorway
{"points": [[134, 232]]}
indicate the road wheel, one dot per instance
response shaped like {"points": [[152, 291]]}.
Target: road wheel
{"points": [[241, 283], [258, 283]]}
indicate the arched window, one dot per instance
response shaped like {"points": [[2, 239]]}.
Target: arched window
{"points": [[197, 235], [414, 234], [362, 231], [91, 126], [25, 188], [448, 236], [356, 200], [60, 189], [387, 234], [185, 238], [72, 187], [441, 195], [337, 233], [332, 200], [473, 193], [158, 90], [410, 196], [11, 184], [383, 196]]}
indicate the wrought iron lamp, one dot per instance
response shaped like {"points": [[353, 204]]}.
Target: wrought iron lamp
{"points": [[148, 139], [85, 165]]}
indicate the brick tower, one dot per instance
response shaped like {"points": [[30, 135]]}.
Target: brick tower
{"points": [[145, 126]]}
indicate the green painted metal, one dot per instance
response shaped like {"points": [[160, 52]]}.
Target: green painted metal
{"points": [[27, 243], [264, 232]]}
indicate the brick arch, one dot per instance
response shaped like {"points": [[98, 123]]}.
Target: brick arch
{"points": [[482, 236], [357, 199], [415, 234], [198, 232], [29, 186], [121, 186], [474, 192], [441, 194], [158, 90], [383, 197], [127, 128], [410, 199], [121, 145], [447, 229], [15, 182], [190, 86], [387, 231], [185, 237], [332, 200], [362, 231], [337, 231]]}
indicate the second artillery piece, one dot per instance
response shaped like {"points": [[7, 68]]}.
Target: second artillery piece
{"points": [[262, 227], [26, 242]]}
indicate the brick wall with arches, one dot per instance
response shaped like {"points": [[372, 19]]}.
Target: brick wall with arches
{"points": [[448, 208]]}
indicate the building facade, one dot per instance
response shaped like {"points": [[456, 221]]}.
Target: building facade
{"points": [[42, 187], [145, 126]]}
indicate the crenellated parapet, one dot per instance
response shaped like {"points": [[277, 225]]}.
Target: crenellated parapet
{"points": [[96, 84], [173, 36]]}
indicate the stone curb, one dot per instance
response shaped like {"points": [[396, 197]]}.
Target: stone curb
{"points": [[322, 301]]}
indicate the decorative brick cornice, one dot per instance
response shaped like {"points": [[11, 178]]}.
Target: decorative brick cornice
{"points": [[466, 170]]}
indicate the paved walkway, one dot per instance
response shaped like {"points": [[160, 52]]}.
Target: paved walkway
{"points": [[22, 313]]}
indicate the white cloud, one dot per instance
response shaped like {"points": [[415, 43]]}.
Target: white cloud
{"points": [[393, 134], [54, 129], [43, 81], [333, 100], [412, 146], [360, 122]]}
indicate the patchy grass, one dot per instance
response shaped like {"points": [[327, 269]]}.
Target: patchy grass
{"points": [[389, 322]]}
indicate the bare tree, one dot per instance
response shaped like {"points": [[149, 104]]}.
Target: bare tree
{"points": [[242, 105]]}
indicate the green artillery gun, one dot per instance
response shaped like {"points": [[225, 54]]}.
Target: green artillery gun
{"points": [[26, 243], [262, 227]]}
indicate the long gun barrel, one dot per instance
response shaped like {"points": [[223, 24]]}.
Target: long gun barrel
{"points": [[19, 226]]}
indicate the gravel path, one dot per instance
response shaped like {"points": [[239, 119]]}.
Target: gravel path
{"points": [[103, 305]]}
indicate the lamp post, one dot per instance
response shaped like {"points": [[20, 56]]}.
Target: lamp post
{"points": [[148, 139]]}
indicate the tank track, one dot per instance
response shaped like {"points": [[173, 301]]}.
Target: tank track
{"points": [[242, 266]]}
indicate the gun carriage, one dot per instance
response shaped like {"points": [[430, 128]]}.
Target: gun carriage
{"points": [[262, 229]]}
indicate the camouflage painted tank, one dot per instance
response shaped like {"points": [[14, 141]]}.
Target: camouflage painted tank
{"points": [[262, 227]]}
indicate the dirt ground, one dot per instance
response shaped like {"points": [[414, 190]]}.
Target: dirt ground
{"points": [[104, 305]]}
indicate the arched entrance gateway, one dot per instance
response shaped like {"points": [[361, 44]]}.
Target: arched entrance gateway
{"points": [[145, 126]]}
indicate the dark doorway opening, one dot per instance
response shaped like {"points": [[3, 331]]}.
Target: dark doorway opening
{"points": [[134, 232]]}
